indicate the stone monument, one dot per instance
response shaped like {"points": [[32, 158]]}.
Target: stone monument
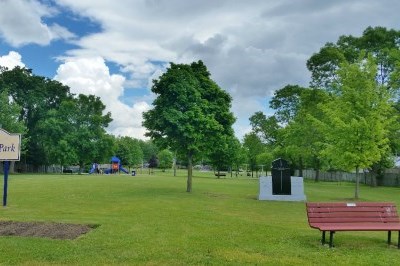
{"points": [[281, 186]]}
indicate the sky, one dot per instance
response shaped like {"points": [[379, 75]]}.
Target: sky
{"points": [[115, 49]]}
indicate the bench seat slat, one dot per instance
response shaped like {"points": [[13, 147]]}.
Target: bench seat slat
{"points": [[350, 214], [356, 227], [353, 220], [352, 209]]}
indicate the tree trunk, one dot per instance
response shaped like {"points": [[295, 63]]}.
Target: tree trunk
{"points": [[357, 183], [190, 173], [317, 169], [174, 166], [301, 166]]}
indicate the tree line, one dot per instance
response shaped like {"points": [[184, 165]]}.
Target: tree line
{"points": [[60, 128], [348, 118]]}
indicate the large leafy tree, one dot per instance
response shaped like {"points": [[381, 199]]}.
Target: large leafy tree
{"points": [[35, 95], [379, 42], [190, 112], [355, 120], [74, 133]]}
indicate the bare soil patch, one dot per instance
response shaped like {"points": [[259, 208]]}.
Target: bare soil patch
{"points": [[47, 230]]}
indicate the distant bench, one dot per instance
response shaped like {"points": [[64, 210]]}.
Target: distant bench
{"points": [[67, 171], [220, 174], [360, 216]]}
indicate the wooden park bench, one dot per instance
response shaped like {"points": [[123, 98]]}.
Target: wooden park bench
{"points": [[220, 174], [359, 216]]}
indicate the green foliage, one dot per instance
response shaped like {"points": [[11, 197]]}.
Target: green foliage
{"points": [[254, 147], [265, 159], [35, 95], [266, 128], [74, 133], [165, 159], [356, 118], [148, 148], [379, 42], [129, 151], [190, 114], [286, 102]]}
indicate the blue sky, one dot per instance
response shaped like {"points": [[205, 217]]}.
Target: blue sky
{"points": [[113, 49]]}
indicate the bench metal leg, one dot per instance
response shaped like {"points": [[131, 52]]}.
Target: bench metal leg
{"points": [[331, 238], [398, 241], [389, 237], [323, 238]]}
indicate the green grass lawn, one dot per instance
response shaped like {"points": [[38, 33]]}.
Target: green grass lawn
{"points": [[151, 220]]}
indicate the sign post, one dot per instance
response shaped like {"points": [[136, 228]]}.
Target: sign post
{"points": [[10, 150]]}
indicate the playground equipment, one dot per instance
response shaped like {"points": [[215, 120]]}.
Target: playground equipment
{"points": [[115, 166], [94, 169]]}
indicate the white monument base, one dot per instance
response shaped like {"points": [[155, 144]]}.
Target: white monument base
{"points": [[297, 187]]}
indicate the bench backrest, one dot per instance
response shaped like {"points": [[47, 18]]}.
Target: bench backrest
{"points": [[358, 212]]}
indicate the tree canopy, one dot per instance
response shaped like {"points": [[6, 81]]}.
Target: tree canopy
{"points": [[190, 114]]}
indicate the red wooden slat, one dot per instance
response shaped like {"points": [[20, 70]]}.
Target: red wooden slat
{"points": [[352, 209], [351, 214], [353, 220], [358, 227]]}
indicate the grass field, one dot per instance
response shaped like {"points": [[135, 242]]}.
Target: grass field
{"points": [[151, 220]]}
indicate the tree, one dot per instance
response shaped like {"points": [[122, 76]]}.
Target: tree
{"points": [[148, 148], [9, 113], [379, 42], [222, 155], [265, 127], [190, 112], [286, 102], [36, 96], [302, 139], [355, 120], [129, 151], [75, 132], [254, 147], [265, 160], [165, 159]]}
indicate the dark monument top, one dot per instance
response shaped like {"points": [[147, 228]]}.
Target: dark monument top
{"points": [[281, 183]]}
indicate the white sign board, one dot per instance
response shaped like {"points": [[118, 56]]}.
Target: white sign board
{"points": [[10, 146]]}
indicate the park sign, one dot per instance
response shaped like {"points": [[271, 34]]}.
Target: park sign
{"points": [[10, 146]]}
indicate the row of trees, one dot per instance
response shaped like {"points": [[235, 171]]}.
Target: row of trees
{"points": [[348, 118], [59, 127]]}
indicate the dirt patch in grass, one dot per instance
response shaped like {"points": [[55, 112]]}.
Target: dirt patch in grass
{"points": [[47, 230]]}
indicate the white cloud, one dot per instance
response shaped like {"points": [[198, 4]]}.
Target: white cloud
{"points": [[251, 48], [92, 76], [11, 60], [21, 23]]}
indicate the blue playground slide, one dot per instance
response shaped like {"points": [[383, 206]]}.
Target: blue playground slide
{"points": [[93, 168], [123, 170]]}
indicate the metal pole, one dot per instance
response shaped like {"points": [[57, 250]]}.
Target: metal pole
{"points": [[6, 168]]}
